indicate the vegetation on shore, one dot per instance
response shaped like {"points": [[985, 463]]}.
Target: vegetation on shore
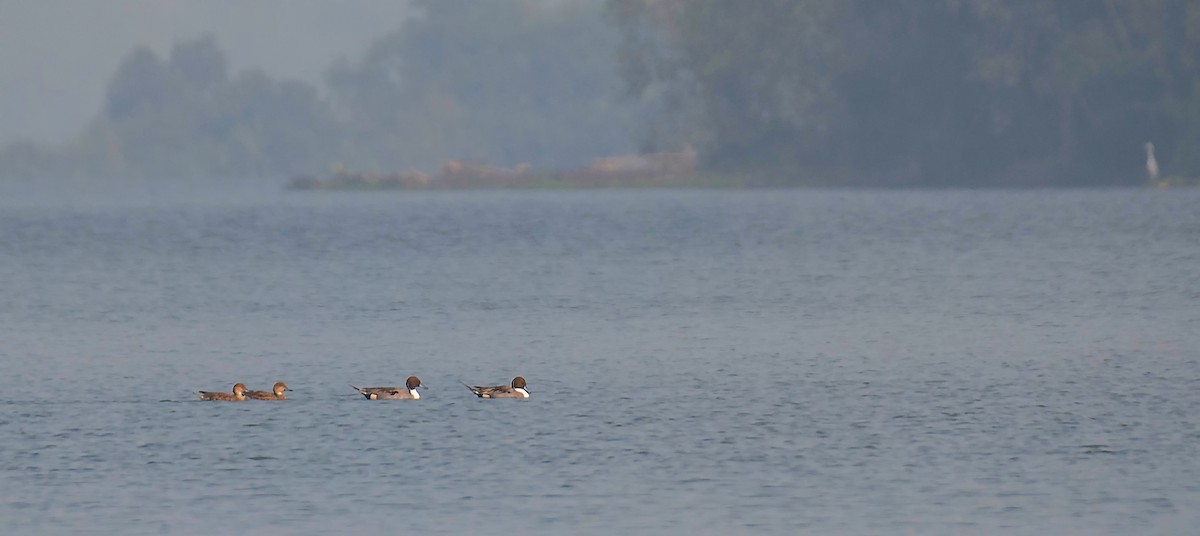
{"points": [[929, 93], [923, 92]]}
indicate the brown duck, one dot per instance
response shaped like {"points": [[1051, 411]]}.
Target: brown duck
{"points": [[276, 393], [238, 394]]}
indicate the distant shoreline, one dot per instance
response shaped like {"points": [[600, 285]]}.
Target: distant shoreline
{"points": [[645, 170], [545, 181], [374, 181]]}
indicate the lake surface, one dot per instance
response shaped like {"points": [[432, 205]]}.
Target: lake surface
{"points": [[700, 362]]}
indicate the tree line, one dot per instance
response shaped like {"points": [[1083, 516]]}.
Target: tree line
{"points": [[790, 92], [921, 92], [504, 82]]}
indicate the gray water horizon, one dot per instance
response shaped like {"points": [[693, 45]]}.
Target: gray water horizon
{"points": [[700, 361]]}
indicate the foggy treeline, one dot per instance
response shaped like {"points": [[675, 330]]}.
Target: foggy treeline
{"points": [[1001, 92], [502, 82], [828, 92]]}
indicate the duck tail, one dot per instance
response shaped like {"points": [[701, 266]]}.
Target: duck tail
{"points": [[474, 390]]}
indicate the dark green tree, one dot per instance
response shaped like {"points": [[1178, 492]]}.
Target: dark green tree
{"points": [[922, 92]]}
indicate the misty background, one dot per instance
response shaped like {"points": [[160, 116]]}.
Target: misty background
{"points": [[801, 92], [56, 58]]}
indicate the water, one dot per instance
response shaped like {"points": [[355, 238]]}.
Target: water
{"points": [[701, 362]]}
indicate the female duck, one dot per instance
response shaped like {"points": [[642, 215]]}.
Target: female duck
{"points": [[238, 394], [276, 393]]}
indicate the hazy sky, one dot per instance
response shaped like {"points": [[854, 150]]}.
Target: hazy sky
{"points": [[56, 56]]}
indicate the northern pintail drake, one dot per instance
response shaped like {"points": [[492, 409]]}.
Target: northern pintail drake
{"points": [[238, 394], [517, 390], [408, 392], [276, 393]]}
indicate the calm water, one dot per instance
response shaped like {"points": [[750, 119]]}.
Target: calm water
{"points": [[763, 362]]}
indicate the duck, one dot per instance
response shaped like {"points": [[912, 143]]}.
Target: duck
{"points": [[276, 393], [238, 394], [408, 392], [517, 390]]}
